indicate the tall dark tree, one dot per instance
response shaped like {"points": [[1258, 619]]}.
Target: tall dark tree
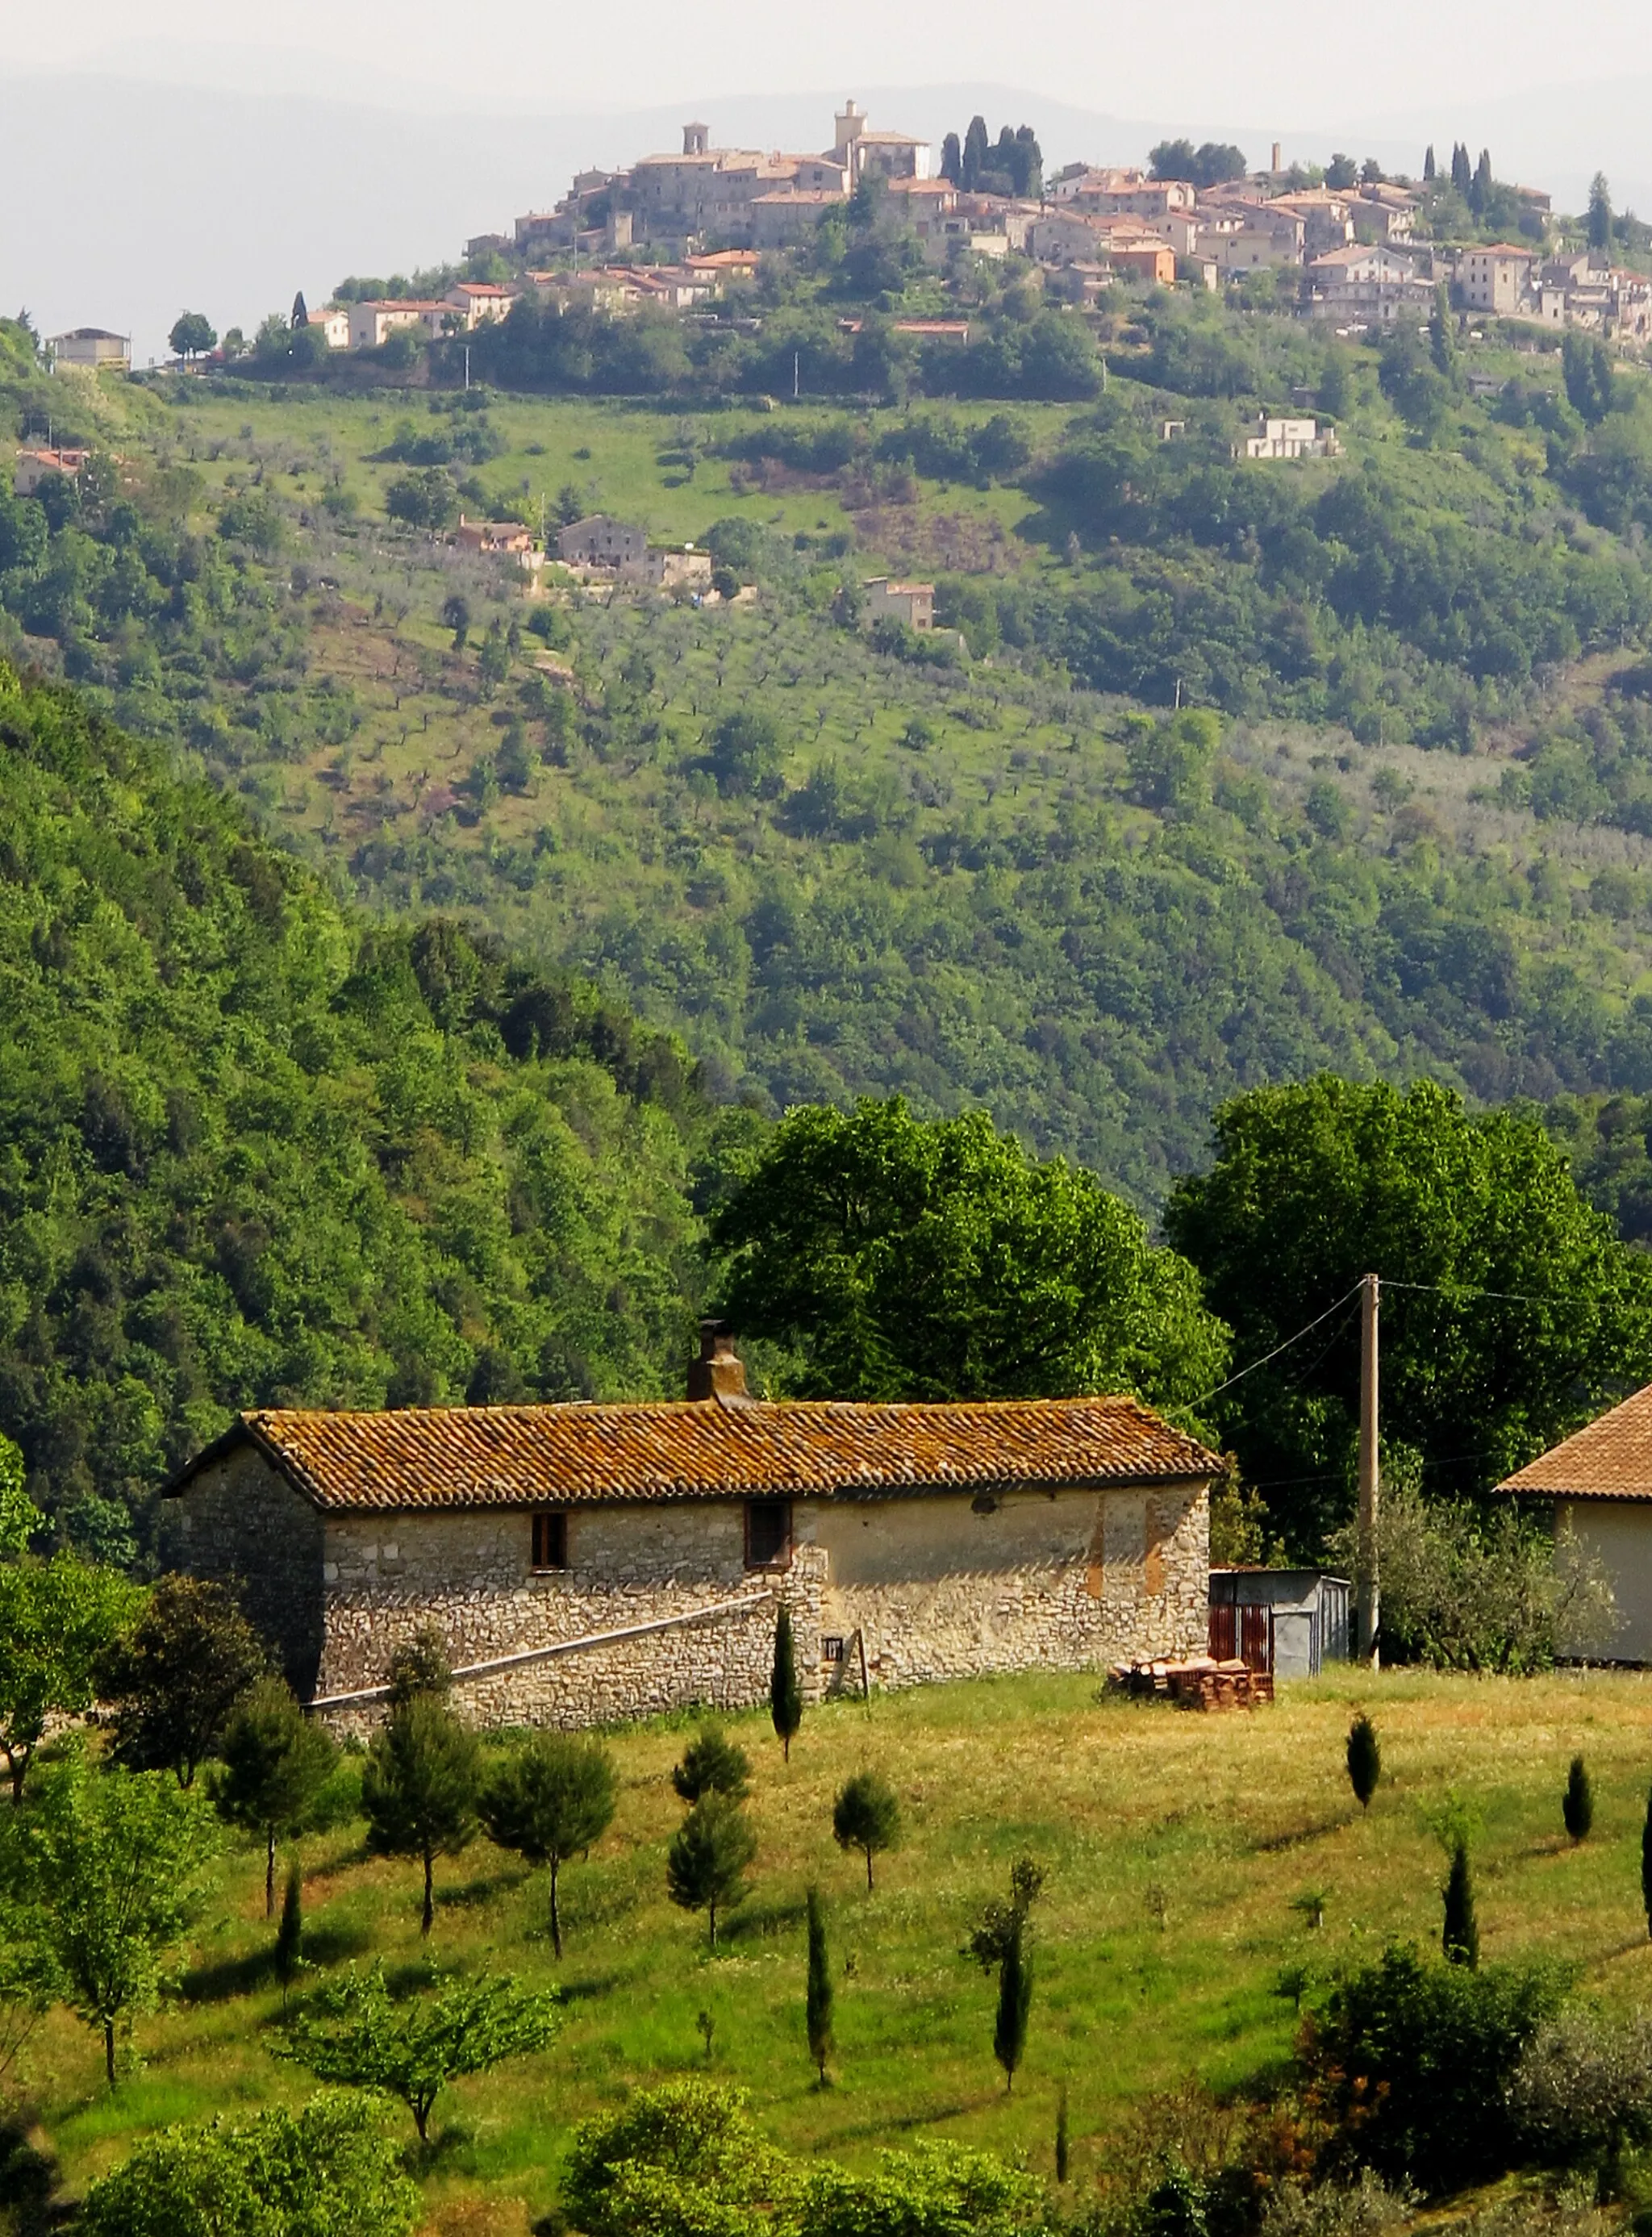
{"points": [[1515, 1310], [418, 1790], [276, 1762], [1015, 2004], [1341, 172], [289, 1935], [785, 1687], [1428, 165], [909, 1258], [549, 1801], [977, 151], [174, 1678], [1462, 169], [1061, 2135], [1365, 1759], [1460, 1933], [1480, 186], [1600, 216], [300, 311], [819, 1997], [952, 159], [1578, 1804]]}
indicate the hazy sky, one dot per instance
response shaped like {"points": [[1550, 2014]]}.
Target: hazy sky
{"points": [[1273, 60]]}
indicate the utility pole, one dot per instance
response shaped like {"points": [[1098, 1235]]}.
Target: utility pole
{"points": [[1369, 1584]]}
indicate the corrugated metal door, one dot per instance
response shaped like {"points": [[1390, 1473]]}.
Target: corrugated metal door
{"points": [[1223, 1626], [1256, 1637]]}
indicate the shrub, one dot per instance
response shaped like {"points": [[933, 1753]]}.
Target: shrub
{"points": [[1365, 1759], [1583, 2090], [712, 1763], [1407, 2064], [866, 1816], [1578, 1804]]}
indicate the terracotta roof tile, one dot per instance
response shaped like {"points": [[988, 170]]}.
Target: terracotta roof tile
{"points": [[1611, 1459], [534, 1455]]}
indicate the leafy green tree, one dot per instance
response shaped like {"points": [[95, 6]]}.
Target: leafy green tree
{"points": [[456, 616], [1001, 1921], [327, 2170], [1365, 1759], [115, 1860], [712, 1761], [819, 1997], [193, 334], [866, 1816], [413, 2047], [176, 1677], [418, 1789], [709, 1858], [1578, 1803], [549, 1800], [785, 1687], [289, 1934], [744, 754], [276, 1762], [493, 662], [1460, 1934], [30, 1981], [419, 1667], [20, 1518], [57, 1619], [1015, 2005], [1341, 172], [905, 1259], [1169, 760], [1510, 1311]]}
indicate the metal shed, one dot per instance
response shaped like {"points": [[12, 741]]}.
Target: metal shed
{"points": [[1290, 1621]]}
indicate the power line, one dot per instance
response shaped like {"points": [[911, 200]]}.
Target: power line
{"points": [[1274, 1354], [1472, 1290]]}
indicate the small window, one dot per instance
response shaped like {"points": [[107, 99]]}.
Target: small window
{"points": [[768, 1533], [550, 1541], [831, 1649]]}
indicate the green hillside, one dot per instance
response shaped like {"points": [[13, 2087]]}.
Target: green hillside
{"points": [[258, 1151], [1402, 830]]}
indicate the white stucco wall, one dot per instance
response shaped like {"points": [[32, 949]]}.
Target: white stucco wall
{"points": [[1619, 1533]]}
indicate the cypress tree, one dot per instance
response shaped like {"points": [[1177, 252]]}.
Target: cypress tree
{"points": [[1061, 2135], [289, 1935], [1646, 1866], [1015, 2003], [1365, 1759], [977, 151], [818, 2001], [1461, 1938], [1578, 1804], [785, 1689], [1428, 165]]}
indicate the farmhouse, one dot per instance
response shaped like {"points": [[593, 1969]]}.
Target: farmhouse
{"points": [[1599, 1486], [586, 1562]]}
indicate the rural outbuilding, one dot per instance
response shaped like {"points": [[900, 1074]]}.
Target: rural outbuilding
{"points": [[585, 1562], [1598, 1485], [1290, 1621]]}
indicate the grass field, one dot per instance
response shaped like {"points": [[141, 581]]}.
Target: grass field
{"points": [[1175, 1846]]}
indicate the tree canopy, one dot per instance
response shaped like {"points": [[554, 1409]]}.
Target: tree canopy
{"points": [[902, 1258], [1511, 1310]]}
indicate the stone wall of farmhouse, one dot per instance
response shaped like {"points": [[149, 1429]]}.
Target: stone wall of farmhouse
{"points": [[241, 1523], [938, 1586]]}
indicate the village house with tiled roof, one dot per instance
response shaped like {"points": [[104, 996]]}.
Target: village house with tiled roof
{"points": [[1598, 1487], [584, 1562]]}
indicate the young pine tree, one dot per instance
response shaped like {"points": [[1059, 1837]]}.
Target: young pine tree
{"points": [[289, 1935], [710, 1761], [549, 1801], [1365, 1759], [1578, 1804], [1460, 1938], [1015, 2003], [785, 1688], [866, 1816], [418, 1790], [818, 2001], [706, 1864]]}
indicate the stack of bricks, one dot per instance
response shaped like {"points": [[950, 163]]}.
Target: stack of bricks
{"points": [[1200, 1683]]}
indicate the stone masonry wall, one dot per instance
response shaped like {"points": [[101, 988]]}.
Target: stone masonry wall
{"points": [[241, 1523], [939, 1586]]}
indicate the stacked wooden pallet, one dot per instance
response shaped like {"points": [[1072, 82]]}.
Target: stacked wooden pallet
{"points": [[1198, 1683]]}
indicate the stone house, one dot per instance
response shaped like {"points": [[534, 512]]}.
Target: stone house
{"points": [[599, 540], [585, 1562], [913, 604]]}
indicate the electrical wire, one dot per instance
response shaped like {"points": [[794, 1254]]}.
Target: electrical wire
{"points": [[1274, 1354]]}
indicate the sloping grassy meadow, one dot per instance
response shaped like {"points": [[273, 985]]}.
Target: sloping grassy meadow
{"points": [[1174, 1846]]}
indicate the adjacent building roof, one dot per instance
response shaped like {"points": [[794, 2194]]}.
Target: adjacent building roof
{"points": [[1611, 1459], [540, 1455]]}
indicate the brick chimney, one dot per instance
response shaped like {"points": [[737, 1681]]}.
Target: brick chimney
{"points": [[719, 1372]]}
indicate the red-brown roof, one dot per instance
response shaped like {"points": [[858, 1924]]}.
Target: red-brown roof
{"points": [[538, 1456], [1611, 1459]]}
